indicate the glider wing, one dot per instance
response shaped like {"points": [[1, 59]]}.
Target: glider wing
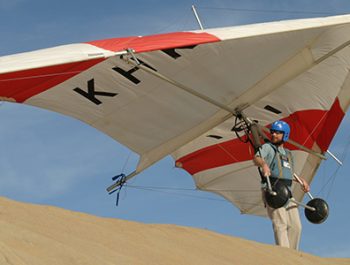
{"points": [[292, 70]]}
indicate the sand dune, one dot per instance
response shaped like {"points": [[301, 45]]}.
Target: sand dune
{"points": [[35, 235]]}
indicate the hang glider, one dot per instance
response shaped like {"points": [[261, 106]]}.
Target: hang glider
{"points": [[180, 93]]}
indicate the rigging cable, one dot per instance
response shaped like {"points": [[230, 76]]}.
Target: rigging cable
{"points": [[331, 180], [266, 11], [178, 22], [126, 162], [173, 192]]}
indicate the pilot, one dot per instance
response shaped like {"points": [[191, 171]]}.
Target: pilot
{"points": [[276, 161]]}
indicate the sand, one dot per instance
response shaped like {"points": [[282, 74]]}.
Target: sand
{"points": [[35, 235]]}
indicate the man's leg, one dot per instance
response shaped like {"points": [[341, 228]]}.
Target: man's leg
{"points": [[279, 218], [294, 225]]}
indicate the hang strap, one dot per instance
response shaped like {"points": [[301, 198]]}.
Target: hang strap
{"points": [[121, 178]]}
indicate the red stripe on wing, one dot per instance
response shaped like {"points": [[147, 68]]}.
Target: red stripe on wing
{"points": [[307, 127], [24, 84], [155, 42]]}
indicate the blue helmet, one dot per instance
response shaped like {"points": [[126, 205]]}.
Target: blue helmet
{"points": [[281, 126]]}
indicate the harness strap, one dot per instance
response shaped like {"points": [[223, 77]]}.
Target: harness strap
{"points": [[279, 162], [290, 160], [122, 179]]}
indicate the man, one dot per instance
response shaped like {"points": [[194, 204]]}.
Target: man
{"points": [[276, 161]]}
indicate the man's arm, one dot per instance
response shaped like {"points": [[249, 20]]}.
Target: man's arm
{"points": [[260, 162], [303, 183]]}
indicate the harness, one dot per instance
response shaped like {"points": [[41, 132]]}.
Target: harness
{"points": [[281, 167]]}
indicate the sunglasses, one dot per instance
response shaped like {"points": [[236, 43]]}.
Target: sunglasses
{"points": [[276, 132]]}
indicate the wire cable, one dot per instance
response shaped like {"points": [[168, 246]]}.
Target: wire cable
{"points": [[267, 11], [171, 191], [331, 181]]}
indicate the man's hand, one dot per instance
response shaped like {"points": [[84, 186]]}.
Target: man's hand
{"points": [[304, 185], [266, 170]]}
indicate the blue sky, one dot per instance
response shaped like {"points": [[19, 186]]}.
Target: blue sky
{"points": [[48, 158]]}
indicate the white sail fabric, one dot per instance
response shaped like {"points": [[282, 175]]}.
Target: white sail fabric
{"points": [[294, 67]]}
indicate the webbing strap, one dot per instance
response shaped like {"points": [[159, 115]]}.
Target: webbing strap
{"points": [[122, 180]]}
